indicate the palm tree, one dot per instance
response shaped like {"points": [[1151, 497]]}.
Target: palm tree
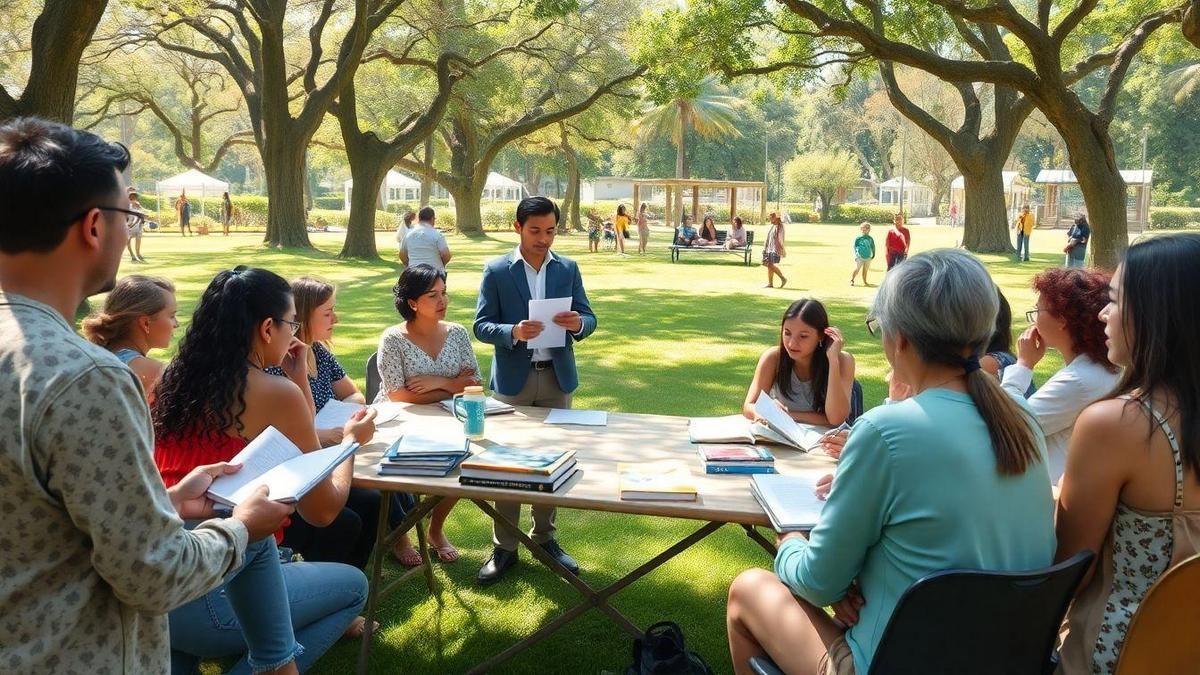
{"points": [[704, 109], [1185, 80]]}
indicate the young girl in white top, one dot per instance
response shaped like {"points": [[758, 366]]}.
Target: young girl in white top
{"points": [[138, 315]]}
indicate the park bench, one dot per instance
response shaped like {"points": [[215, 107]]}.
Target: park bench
{"points": [[744, 251]]}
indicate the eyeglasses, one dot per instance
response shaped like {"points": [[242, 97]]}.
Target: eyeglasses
{"points": [[1031, 315], [133, 219], [294, 325], [873, 327]]}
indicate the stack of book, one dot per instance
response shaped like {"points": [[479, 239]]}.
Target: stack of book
{"points": [[736, 459], [423, 454], [519, 469], [791, 502]]}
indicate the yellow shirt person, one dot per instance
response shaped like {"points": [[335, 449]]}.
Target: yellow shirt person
{"points": [[1024, 222]]}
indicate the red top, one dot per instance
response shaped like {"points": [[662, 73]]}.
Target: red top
{"points": [[175, 457], [896, 243]]}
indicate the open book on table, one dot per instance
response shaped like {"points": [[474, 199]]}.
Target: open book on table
{"points": [[779, 428], [790, 501], [273, 460]]}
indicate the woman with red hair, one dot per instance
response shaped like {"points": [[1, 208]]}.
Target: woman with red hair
{"points": [[1067, 319]]}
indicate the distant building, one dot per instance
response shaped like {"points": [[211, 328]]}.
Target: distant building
{"points": [[1064, 199], [396, 188], [866, 191], [605, 188], [916, 196]]}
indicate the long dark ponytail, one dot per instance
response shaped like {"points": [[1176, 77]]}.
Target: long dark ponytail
{"points": [[813, 313], [202, 391]]}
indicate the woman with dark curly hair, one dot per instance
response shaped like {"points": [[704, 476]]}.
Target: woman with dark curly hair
{"points": [[212, 400], [1067, 319]]}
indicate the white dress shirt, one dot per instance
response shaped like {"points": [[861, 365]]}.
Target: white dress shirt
{"points": [[537, 290], [1057, 404]]}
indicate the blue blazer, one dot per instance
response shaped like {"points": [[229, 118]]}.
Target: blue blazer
{"points": [[504, 302]]}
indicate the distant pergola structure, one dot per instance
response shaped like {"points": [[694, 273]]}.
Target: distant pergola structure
{"points": [[752, 191]]}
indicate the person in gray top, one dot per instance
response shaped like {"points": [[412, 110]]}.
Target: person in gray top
{"points": [[93, 552]]}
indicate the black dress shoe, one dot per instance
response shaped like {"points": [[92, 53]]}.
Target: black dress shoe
{"points": [[561, 556], [496, 566]]}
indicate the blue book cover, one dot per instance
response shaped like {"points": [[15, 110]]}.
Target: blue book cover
{"points": [[717, 468]]}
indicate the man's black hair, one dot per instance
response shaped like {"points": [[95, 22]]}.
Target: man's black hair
{"points": [[536, 206], [426, 214], [50, 176]]}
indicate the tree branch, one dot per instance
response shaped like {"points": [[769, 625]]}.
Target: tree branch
{"points": [[1126, 53]]}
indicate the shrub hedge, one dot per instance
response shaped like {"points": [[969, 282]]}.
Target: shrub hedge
{"points": [[1174, 218]]}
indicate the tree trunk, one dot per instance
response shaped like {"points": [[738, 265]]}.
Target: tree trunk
{"points": [[467, 204], [825, 199], [1191, 23], [368, 173], [680, 172], [985, 218], [572, 187], [427, 175], [936, 201], [1090, 153], [283, 164]]}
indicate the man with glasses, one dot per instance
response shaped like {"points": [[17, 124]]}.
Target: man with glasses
{"points": [[93, 553]]}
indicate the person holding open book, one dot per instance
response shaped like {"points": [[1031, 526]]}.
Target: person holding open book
{"points": [[213, 399], [808, 373], [952, 477], [424, 360], [93, 547], [543, 377]]}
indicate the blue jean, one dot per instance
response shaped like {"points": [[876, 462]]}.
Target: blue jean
{"points": [[276, 612], [1022, 243]]}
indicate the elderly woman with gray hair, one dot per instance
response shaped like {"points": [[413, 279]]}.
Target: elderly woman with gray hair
{"points": [[952, 477]]}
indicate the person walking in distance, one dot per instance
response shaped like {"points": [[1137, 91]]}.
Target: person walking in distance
{"points": [[530, 377]]}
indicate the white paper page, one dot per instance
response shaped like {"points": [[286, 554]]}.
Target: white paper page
{"points": [[386, 412], [264, 453], [445, 442], [334, 414], [293, 479], [766, 408], [590, 418], [791, 499], [728, 429], [544, 310]]}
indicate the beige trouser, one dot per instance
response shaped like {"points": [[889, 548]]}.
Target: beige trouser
{"points": [[541, 390]]}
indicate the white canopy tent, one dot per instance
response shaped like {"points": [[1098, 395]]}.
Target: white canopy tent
{"points": [[397, 187], [500, 188], [193, 182]]}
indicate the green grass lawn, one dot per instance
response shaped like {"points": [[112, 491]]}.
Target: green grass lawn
{"points": [[679, 339]]}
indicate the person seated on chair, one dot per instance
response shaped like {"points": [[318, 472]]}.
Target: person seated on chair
{"points": [[686, 234], [424, 360], [737, 235], [707, 236], [808, 373], [1132, 486], [952, 477]]}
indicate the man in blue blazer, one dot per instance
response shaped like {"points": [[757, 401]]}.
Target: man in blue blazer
{"points": [[531, 377]]}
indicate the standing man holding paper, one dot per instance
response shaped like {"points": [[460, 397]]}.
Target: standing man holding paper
{"points": [[515, 289]]}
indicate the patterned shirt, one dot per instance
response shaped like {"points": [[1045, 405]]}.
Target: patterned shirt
{"points": [[321, 383], [92, 554], [400, 359]]}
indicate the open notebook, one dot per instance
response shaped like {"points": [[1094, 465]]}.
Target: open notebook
{"points": [[273, 460], [779, 428], [790, 501]]}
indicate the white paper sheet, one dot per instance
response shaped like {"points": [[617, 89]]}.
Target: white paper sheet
{"points": [[291, 480], [544, 310], [590, 418], [334, 414], [264, 453], [802, 436]]}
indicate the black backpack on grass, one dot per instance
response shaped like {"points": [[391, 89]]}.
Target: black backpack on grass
{"points": [[662, 652]]}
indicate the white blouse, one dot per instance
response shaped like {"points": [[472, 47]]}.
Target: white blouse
{"points": [[1058, 403], [400, 359]]}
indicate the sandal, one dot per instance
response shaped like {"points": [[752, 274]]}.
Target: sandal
{"points": [[409, 557], [447, 553], [359, 626]]}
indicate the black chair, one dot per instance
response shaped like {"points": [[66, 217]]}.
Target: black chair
{"points": [[971, 621], [856, 402], [373, 378]]}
